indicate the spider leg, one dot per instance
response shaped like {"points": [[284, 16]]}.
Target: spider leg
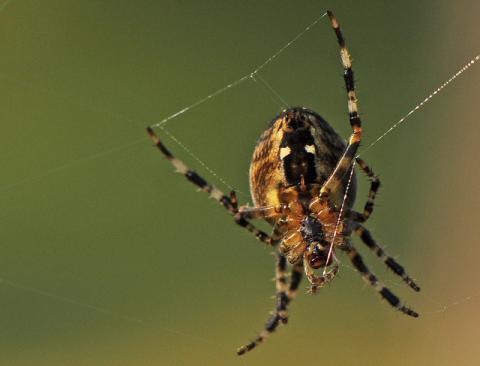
{"points": [[281, 278], [230, 203], [391, 263], [279, 230], [346, 160], [295, 279], [370, 278], [268, 213], [374, 186], [284, 297]]}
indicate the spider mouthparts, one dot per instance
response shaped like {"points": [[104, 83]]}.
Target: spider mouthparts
{"points": [[320, 256]]}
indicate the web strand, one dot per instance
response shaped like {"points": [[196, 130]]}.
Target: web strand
{"points": [[211, 96], [224, 89], [242, 79], [254, 76], [95, 308], [201, 101], [340, 214], [8, 186], [441, 307], [422, 103], [198, 160], [276, 97]]}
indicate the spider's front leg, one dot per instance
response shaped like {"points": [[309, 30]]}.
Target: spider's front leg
{"points": [[230, 203], [317, 282], [354, 142]]}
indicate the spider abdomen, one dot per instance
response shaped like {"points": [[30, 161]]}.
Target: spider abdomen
{"points": [[298, 146]]}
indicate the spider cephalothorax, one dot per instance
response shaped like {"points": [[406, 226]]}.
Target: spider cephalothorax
{"points": [[303, 183], [311, 232]]}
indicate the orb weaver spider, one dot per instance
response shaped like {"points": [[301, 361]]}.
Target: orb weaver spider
{"points": [[299, 180]]}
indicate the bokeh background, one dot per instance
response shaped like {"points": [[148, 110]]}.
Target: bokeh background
{"points": [[109, 258]]}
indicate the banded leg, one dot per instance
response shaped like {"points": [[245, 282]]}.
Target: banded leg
{"points": [[230, 203], [347, 75], [391, 263], [374, 186], [317, 282], [281, 279], [295, 279], [279, 315], [370, 278], [284, 297], [267, 213], [279, 230], [354, 141]]}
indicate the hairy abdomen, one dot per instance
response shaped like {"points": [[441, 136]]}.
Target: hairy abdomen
{"points": [[298, 144]]}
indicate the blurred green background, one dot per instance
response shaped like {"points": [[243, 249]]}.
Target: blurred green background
{"points": [[109, 258]]}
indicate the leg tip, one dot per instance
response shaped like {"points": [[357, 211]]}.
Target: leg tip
{"points": [[248, 347], [410, 312], [244, 349], [150, 131], [153, 135], [412, 284], [333, 19]]}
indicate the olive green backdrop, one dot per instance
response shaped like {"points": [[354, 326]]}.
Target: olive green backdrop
{"points": [[109, 258]]}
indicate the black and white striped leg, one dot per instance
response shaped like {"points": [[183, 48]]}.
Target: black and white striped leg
{"points": [[370, 278], [346, 59], [284, 297], [391, 263], [354, 142], [374, 186], [230, 203]]}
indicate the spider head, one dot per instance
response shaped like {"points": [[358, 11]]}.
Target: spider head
{"points": [[317, 247]]}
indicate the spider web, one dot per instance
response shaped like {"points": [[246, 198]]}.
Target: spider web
{"points": [[255, 77], [275, 96]]}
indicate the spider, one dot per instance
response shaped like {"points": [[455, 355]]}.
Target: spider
{"points": [[303, 183]]}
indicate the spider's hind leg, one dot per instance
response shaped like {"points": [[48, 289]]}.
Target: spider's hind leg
{"points": [[285, 294]]}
